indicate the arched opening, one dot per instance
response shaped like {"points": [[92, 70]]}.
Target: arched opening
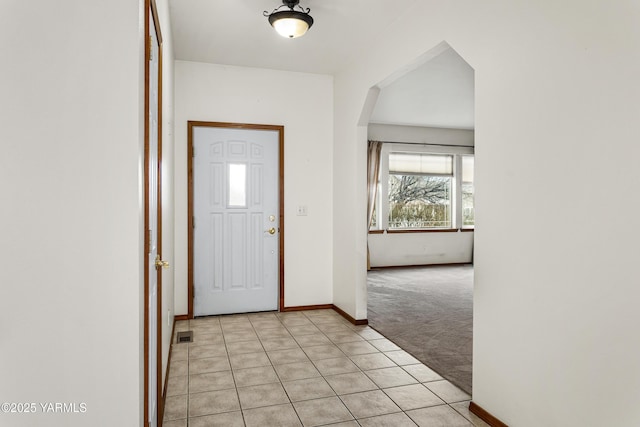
{"points": [[420, 128]]}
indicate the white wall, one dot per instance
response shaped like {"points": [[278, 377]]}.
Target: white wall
{"points": [[555, 301], [303, 104], [420, 135], [397, 249], [71, 245]]}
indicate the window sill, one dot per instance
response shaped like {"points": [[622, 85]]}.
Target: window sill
{"points": [[421, 230]]}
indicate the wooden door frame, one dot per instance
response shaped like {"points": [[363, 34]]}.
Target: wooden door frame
{"points": [[152, 11], [280, 129]]}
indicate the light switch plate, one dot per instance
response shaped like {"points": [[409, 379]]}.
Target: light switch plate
{"points": [[302, 210]]}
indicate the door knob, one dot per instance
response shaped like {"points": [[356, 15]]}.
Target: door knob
{"points": [[272, 230], [161, 264]]}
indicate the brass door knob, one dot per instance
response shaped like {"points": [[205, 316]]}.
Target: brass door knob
{"points": [[161, 264], [272, 230]]}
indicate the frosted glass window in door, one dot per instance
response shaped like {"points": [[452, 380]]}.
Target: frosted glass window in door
{"points": [[237, 185]]}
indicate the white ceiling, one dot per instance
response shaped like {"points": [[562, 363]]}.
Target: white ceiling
{"points": [[235, 32]]}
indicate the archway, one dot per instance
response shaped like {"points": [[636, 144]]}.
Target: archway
{"points": [[420, 241]]}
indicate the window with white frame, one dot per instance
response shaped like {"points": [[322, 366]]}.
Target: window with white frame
{"points": [[424, 187], [420, 190], [468, 212]]}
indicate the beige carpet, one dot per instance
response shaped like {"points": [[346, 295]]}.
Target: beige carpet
{"points": [[428, 311]]}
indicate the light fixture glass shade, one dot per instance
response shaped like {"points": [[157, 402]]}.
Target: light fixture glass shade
{"points": [[290, 24], [290, 27]]}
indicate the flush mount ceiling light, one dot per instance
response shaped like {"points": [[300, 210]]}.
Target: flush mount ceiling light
{"points": [[290, 23]]}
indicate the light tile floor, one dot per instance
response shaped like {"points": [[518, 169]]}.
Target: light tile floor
{"points": [[305, 368]]}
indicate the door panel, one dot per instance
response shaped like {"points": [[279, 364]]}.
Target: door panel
{"points": [[237, 244], [235, 203]]}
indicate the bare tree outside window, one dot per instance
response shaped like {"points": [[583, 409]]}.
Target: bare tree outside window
{"points": [[468, 210], [419, 201], [468, 213]]}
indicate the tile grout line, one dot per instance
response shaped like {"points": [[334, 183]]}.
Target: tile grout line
{"points": [[233, 377], [400, 410], [189, 370], [359, 370], [324, 378], [313, 364], [317, 331], [278, 376]]}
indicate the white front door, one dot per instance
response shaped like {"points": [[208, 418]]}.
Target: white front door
{"points": [[236, 220]]}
